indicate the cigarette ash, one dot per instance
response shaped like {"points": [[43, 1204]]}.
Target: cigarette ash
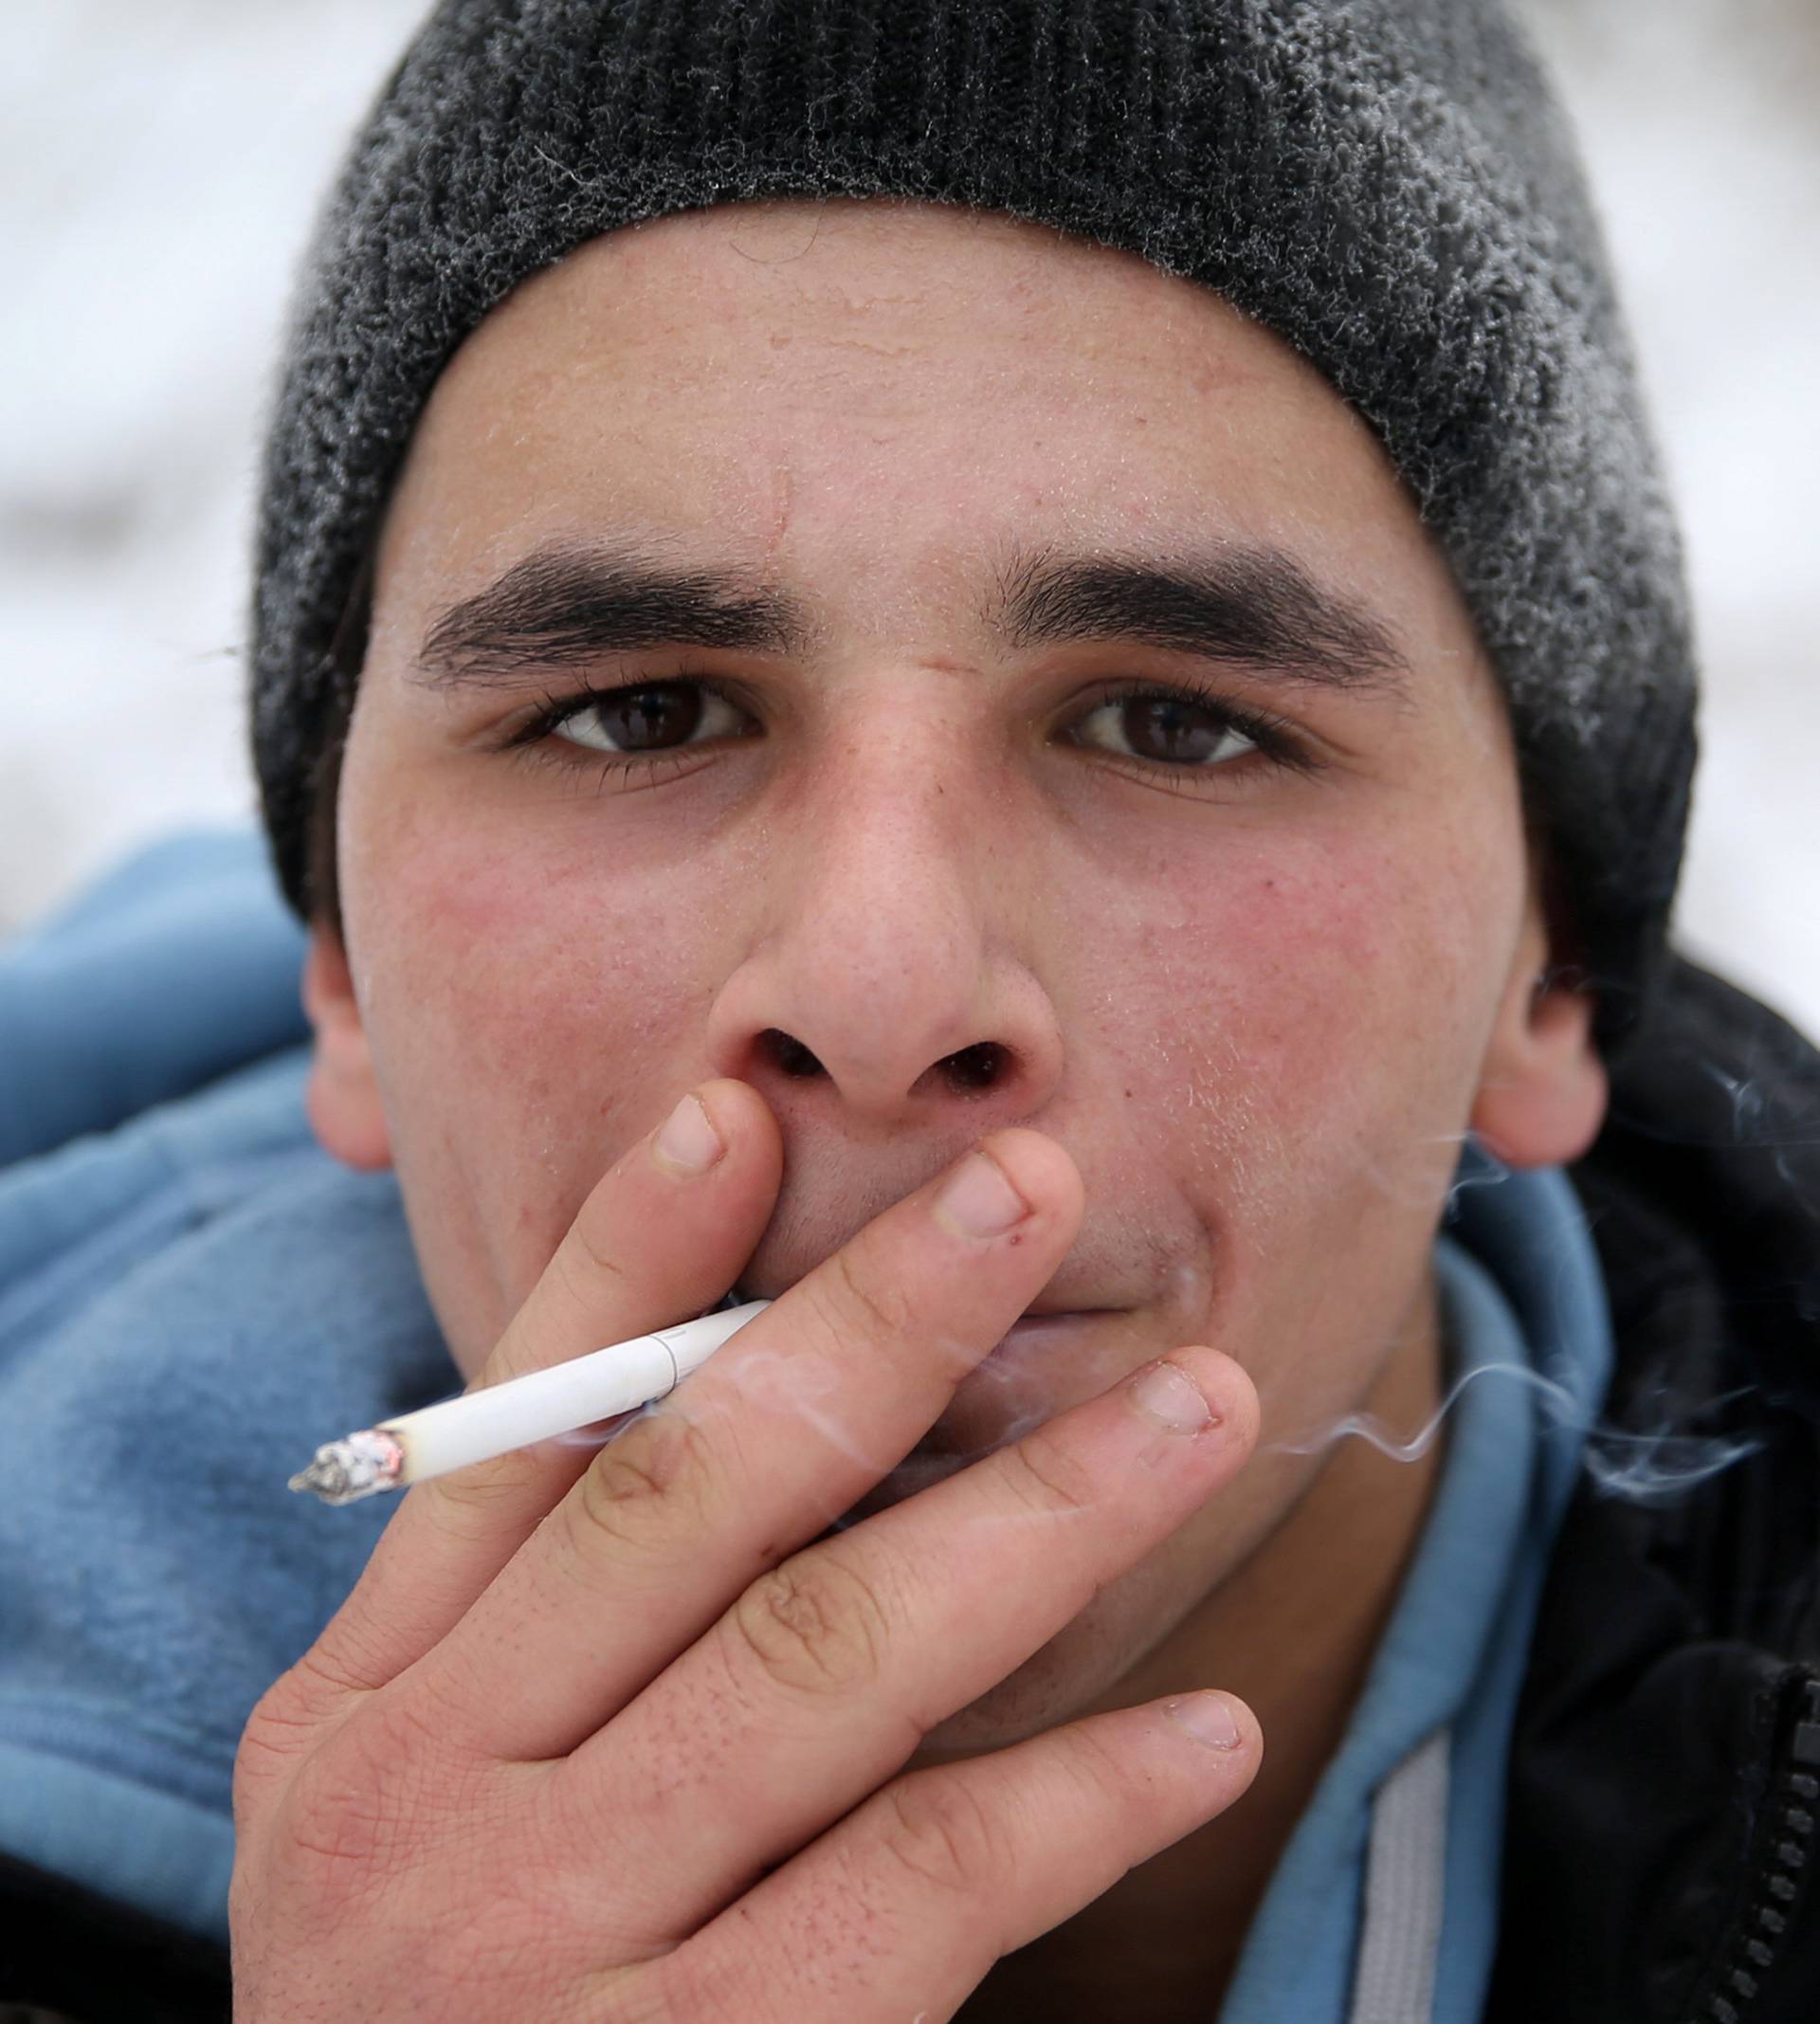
{"points": [[347, 1470]]}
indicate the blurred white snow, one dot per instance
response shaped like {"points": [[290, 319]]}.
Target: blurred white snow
{"points": [[159, 164]]}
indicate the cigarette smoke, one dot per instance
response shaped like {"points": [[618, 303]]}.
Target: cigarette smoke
{"points": [[1650, 1464], [1643, 1468]]}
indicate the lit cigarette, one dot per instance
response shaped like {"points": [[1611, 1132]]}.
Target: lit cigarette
{"points": [[480, 1425]]}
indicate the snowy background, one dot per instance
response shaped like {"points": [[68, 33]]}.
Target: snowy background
{"points": [[159, 164]]}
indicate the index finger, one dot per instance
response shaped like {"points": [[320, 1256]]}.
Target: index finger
{"points": [[649, 1246]]}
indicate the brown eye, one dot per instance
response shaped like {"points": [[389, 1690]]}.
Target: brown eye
{"points": [[657, 718], [647, 717], [1170, 731]]}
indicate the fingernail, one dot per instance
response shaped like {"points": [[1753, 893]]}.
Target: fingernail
{"points": [[1165, 1392], [1206, 1718], [979, 1201], [688, 1144]]}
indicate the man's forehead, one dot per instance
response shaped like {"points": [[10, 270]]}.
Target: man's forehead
{"points": [[887, 289], [609, 466]]}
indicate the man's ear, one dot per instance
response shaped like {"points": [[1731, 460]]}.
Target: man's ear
{"points": [[342, 1098], [1542, 1090]]}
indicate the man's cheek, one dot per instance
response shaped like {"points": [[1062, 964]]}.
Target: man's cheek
{"points": [[535, 967], [1303, 981], [509, 1081], [1313, 1079]]}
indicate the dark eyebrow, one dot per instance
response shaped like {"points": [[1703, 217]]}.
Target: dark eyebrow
{"points": [[1256, 605], [559, 606]]}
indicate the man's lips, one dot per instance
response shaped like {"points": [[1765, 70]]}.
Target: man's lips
{"points": [[1031, 1317], [1016, 1380], [1032, 1332], [1051, 1309], [1034, 1325]]}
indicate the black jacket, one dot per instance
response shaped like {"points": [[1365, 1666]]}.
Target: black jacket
{"points": [[1665, 1777]]}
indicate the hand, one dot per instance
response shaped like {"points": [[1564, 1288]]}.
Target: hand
{"points": [[601, 1734]]}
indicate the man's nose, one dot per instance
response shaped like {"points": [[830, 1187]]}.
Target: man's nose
{"points": [[895, 971]]}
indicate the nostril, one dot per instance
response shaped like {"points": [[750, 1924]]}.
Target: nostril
{"points": [[791, 1056], [971, 1069], [976, 1067]]}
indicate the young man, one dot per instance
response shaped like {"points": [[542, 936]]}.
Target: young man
{"points": [[1049, 631]]}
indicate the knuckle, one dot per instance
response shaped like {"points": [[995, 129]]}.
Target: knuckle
{"points": [[320, 1682], [1050, 1481], [291, 1718], [878, 1308], [582, 1277], [690, 1983], [589, 1264], [657, 1478], [356, 1806], [466, 1506], [289, 1712], [1098, 1782], [814, 1626], [278, 1736], [935, 1827]]}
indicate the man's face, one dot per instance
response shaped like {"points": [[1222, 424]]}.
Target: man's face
{"points": [[1095, 742]]}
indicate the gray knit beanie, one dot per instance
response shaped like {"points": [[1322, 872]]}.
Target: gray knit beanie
{"points": [[1386, 184]]}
